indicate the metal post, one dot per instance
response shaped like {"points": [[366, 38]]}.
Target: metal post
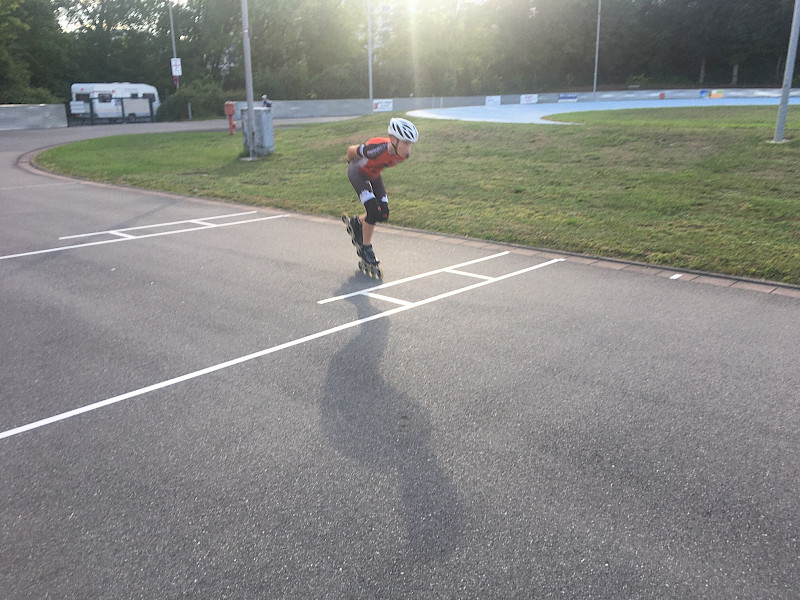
{"points": [[369, 53], [788, 74], [596, 51], [248, 72], [172, 33]]}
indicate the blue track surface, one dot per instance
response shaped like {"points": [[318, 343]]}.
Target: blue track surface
{"points": [[537, 113]]}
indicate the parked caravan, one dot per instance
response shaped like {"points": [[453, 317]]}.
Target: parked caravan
{"points": [[110, 102]]}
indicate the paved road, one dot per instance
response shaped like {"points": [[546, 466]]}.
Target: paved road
{"points": [[202, 400]]}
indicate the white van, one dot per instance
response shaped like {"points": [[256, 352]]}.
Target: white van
{"points": [[114, 101]]}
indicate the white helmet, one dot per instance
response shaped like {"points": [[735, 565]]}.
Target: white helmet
{"points": [[403, 130]]}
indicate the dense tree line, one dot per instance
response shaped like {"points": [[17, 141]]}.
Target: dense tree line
{"points": [[317, 48]]}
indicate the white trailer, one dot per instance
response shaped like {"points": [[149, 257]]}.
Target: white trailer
{"points": [[119, 101]]}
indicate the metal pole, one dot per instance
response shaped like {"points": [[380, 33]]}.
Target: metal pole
{"points": [[788, 74], [369, 53], [172, 33], [596, 51], [248, 74], [172, 30]]}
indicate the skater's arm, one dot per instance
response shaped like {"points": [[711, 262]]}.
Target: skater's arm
{"points": [[372, 149]]}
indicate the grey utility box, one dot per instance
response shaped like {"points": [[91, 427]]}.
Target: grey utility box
{"points": [[265, 138]]}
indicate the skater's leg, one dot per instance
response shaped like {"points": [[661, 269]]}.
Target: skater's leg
{"points": [[372, 194], [363, 188], [376, 212], [367, 230]]}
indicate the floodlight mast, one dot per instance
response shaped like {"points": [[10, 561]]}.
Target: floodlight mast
{"points": [[788, 75], [369, 54], [248, 72], [596, 50], [172, 34]]}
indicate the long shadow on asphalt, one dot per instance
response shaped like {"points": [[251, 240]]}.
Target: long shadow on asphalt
{"points": [[382, 428]]}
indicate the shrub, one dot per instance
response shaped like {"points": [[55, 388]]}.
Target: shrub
{"points": [[28, 95], [206, 97]]}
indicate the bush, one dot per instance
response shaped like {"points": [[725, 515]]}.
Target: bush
{"points": [[641, 81], [28, 95], [206, 97]]}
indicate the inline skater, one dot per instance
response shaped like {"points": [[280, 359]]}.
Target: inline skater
{"points": [[365, 163]]}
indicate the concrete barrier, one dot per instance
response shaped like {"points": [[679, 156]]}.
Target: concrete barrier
{"points": [[32, 116], [292, 109], [42, 116], [287, 109]]}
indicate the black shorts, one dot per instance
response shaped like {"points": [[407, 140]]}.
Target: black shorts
{"points": [[366, 188]]}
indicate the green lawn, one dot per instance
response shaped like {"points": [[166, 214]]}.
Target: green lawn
{"points": [[690, 188]]}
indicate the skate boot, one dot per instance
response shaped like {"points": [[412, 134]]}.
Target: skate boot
{"points": [[355, 229], [368, 263]]}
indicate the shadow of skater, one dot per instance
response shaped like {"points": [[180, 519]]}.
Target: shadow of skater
{"points": [[380, 427]]}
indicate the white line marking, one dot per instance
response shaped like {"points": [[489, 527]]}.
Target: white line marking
{"points": [[262, 353], [170, 224], [137, 237], [388, 299], [466, 274], [677, 276], [412, 278]]}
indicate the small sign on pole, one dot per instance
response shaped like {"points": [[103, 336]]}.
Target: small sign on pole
{"points": [[175, 63]]}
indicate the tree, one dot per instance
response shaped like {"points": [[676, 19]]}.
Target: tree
{"points": [[14, 73], [317, 48], [34, 57], [702, 41]]}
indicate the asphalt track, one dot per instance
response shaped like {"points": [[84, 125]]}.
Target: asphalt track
{"points": [[205, 400]]}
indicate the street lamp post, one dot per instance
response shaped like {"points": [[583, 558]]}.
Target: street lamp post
{"points": [[248, 74], [788, 74], [172, 33], [369, 53], [596, 51]]}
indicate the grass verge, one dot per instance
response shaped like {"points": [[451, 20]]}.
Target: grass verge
{"points": [[689, 188]]}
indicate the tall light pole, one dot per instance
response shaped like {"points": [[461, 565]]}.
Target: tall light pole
{"points": [[172, 33], [596, 51], [788, 74], [248, 76], [369, 53]]}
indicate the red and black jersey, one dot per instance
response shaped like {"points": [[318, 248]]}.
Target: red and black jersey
{"points": [[374, 157]]}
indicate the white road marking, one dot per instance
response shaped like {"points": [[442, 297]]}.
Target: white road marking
{"points": [[262, 353], [127, 238], [677, 276], [154, 226], [412, 278], [388, 299], [466, 274]]}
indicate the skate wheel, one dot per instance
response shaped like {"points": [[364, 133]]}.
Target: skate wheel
{"points": [[361, 268], [345, 218]]}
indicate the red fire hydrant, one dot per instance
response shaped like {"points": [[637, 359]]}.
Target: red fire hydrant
{"points": [[230, 110]]}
